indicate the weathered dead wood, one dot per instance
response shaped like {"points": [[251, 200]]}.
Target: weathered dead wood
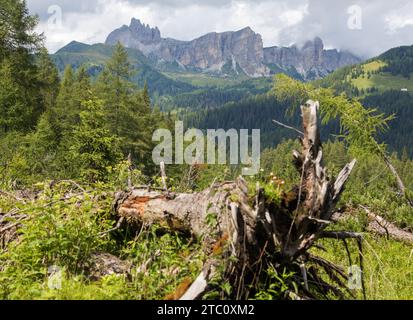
{"points": [[200, 284], [288, 127], [399, 181], [247, 227], [379, 225], [383, 227], [340, 235], [163, 176], [9, 224], [12, 196], [393, 170], [318, 194]]}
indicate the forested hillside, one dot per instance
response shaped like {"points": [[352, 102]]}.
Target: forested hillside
{"points": [[259, 111], [399, 61], [86, 214], [94, 57]]}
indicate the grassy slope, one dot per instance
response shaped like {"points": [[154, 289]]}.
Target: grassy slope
{"points": [[388, 266], [382, 81], [204, 80]]}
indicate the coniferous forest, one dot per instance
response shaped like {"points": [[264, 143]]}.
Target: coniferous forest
{"points": [[86, 214]]}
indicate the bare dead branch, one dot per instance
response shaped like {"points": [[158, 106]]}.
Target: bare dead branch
{"points": [[340, 235], [288, 127]]}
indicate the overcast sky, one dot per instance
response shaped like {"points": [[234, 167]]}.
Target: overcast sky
{"points": [[364, 27]]}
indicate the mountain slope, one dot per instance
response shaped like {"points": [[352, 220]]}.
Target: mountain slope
{"points": [[390, 71], [257, 112], [95, 56], [168, 90]]}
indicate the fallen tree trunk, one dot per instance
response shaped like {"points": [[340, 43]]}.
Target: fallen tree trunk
{"points": [[383, 227], [253, 230], [379, 225]]}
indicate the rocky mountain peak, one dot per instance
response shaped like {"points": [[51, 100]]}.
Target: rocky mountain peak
{"points": [[316, 44], [247, 30], [311, 61], [243, 49], [144, 33], [135, 34]]}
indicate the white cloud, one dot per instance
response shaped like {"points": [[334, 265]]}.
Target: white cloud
{"points": [[280, 22], [91, 24], [399, 18], [88, 26]]}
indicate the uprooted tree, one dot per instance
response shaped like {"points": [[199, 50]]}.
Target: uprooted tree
{"points": [[250, 231]]}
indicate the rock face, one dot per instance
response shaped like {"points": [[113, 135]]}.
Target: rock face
{"points": [[137, 35], [214, 50], [312, 61], [239, 52], [242, 50]]}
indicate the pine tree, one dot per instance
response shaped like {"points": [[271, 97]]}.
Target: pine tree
{"points": [[74, 89], [115, 87], [94, 149], [127, 109], [48, 79], [68, 79], [17, 38], [20, 99]]}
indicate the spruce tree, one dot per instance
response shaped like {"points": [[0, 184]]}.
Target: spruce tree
{"points": [[75, 88], [20, 99], [94, 149], [48, 80], [127, 110]]}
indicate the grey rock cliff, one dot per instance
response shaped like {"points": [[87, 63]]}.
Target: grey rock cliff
{"points": [[210, 52], [239, 52], [311, 61]]}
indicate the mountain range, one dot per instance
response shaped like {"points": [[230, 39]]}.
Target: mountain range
{"points": [[222, 67], [231, 53], [222, 78]]}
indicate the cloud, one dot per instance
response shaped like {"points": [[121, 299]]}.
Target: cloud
{"points": [[92, 21], [384, 24]]}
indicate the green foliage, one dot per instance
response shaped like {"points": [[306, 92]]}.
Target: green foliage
{"points": [[278, 162], [56, 232], [272, 185], [48, 79], [173, 259], [76, 129], [359, 125], [127, 110], [94, 148], [399, 61], [19, 88], [398, 137], [65, 226], [16, 29], [387, 267], [277, 285], [19, 97]]}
